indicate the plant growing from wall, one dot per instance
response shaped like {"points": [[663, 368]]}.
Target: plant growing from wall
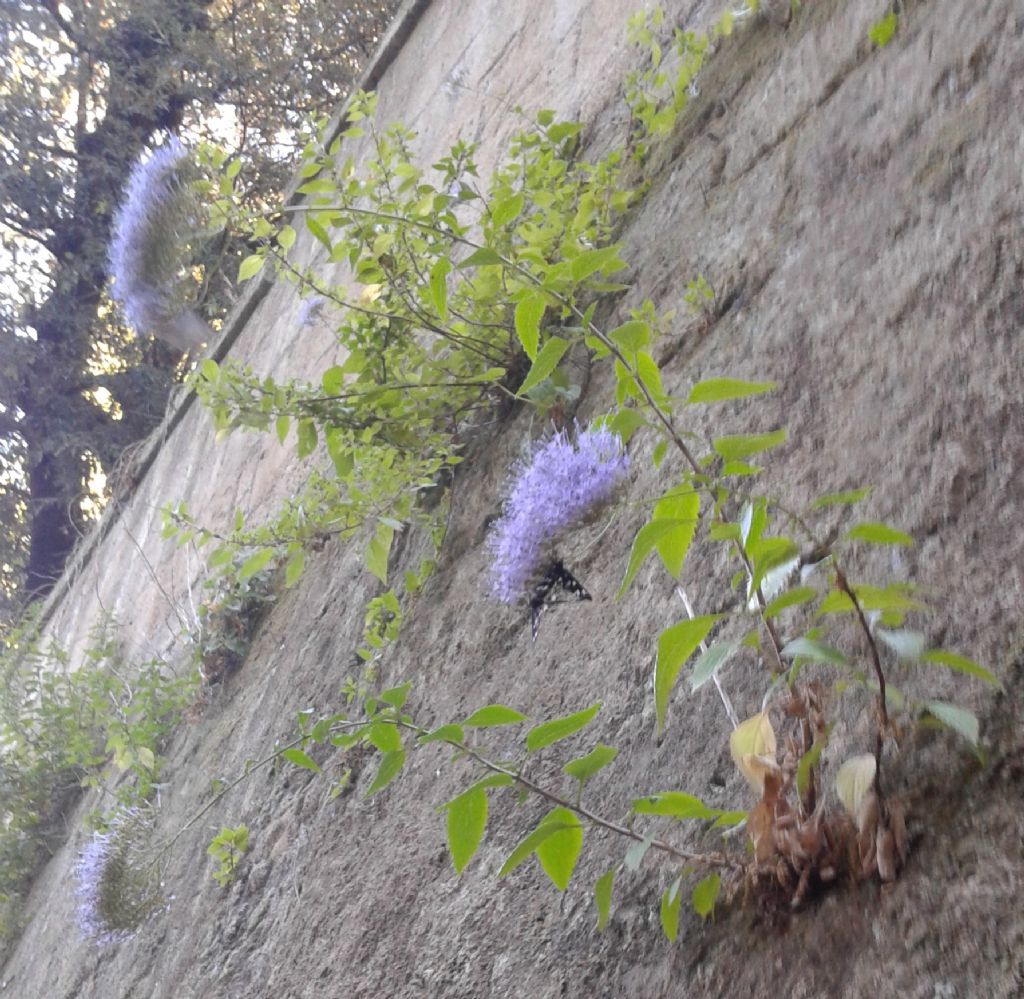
{"points": [[463, 300]]}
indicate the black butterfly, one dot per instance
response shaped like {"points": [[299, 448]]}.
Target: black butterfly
{"points": [[540, 599]]}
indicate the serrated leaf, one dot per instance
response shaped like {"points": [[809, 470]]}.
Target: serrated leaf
{"points": [[583, 768], [791, 598], [603, 898], [673, 546], [506, 210], [815, 650], [739, 446], [254, 563], [705, 894], [669, 910], [675, 645], [396, 696], [544, 363], [544, 830], [959, 719], [444, 733], [286, 237], [439, 287], [558, 853], [305, 432], [906, 644], [721, 389], [676, 804], [481, 257], [300, 759], [854, 779], [493, 715], [847, 498], [605, 259], [250, 266], [961, 665], [466, 821], [293, 568], [318, 231], [672, 531], [528, 316], [391, 764], [710, 662], [559, 728], [632, 336], [878, 534], [378, 550]]}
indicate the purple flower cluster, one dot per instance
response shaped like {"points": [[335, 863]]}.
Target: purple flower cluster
{"points": [[563, 483], [150, 229], [116, 889]]}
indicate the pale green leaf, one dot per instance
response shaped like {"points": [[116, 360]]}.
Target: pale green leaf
{"points": [[959, 719], [710, 662], [254, 563], [960, 664], [493, 715], [300, 759], [559, 728], [467, 819], [705, 894], [816, 651], [603, 897], [675, 646], [878, 534], [558, 853], [740, 446], [544, 363], [669, 911], [583, 768], [528, 315], [721, 389], [676, 804]]}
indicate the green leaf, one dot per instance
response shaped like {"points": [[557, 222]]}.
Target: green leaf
{"points": [[558, 853], [675, 645], [318, 231], [493, 715], [250, 266], [673, 546], [880, 33], [546, 828], [300, 759], [740, 446], [606, 260], [544, 363], [878, 534], [396, 696], [286, 237], [378, 550], [632, 336], [603, 898], [305, 431], [959, 719], [506, 210], [481, 257], [626, 422], [791, 598], [560, 728], [906, 644], [583, 768], [254, 563], [710, 662], [670, 909], [384, 737], [677, 804], [281, 427], [728, 820], [294, 568], [444, 733], [439, 287], [847, 498], [467, 819], [811, 648], [721, 389], [705, 894], [528, 316], [647, 540], [961, 665], [893, 597], [650, 376], [390, 765]]}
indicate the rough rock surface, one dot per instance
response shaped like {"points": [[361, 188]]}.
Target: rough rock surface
{"points": [[858, 211]]}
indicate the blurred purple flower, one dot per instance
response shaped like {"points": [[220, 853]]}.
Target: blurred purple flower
{"points": [[116, 888], [146, 254], [563, 483]]}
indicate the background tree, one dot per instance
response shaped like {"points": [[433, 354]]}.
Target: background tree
{"points": [[86, 86]]}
